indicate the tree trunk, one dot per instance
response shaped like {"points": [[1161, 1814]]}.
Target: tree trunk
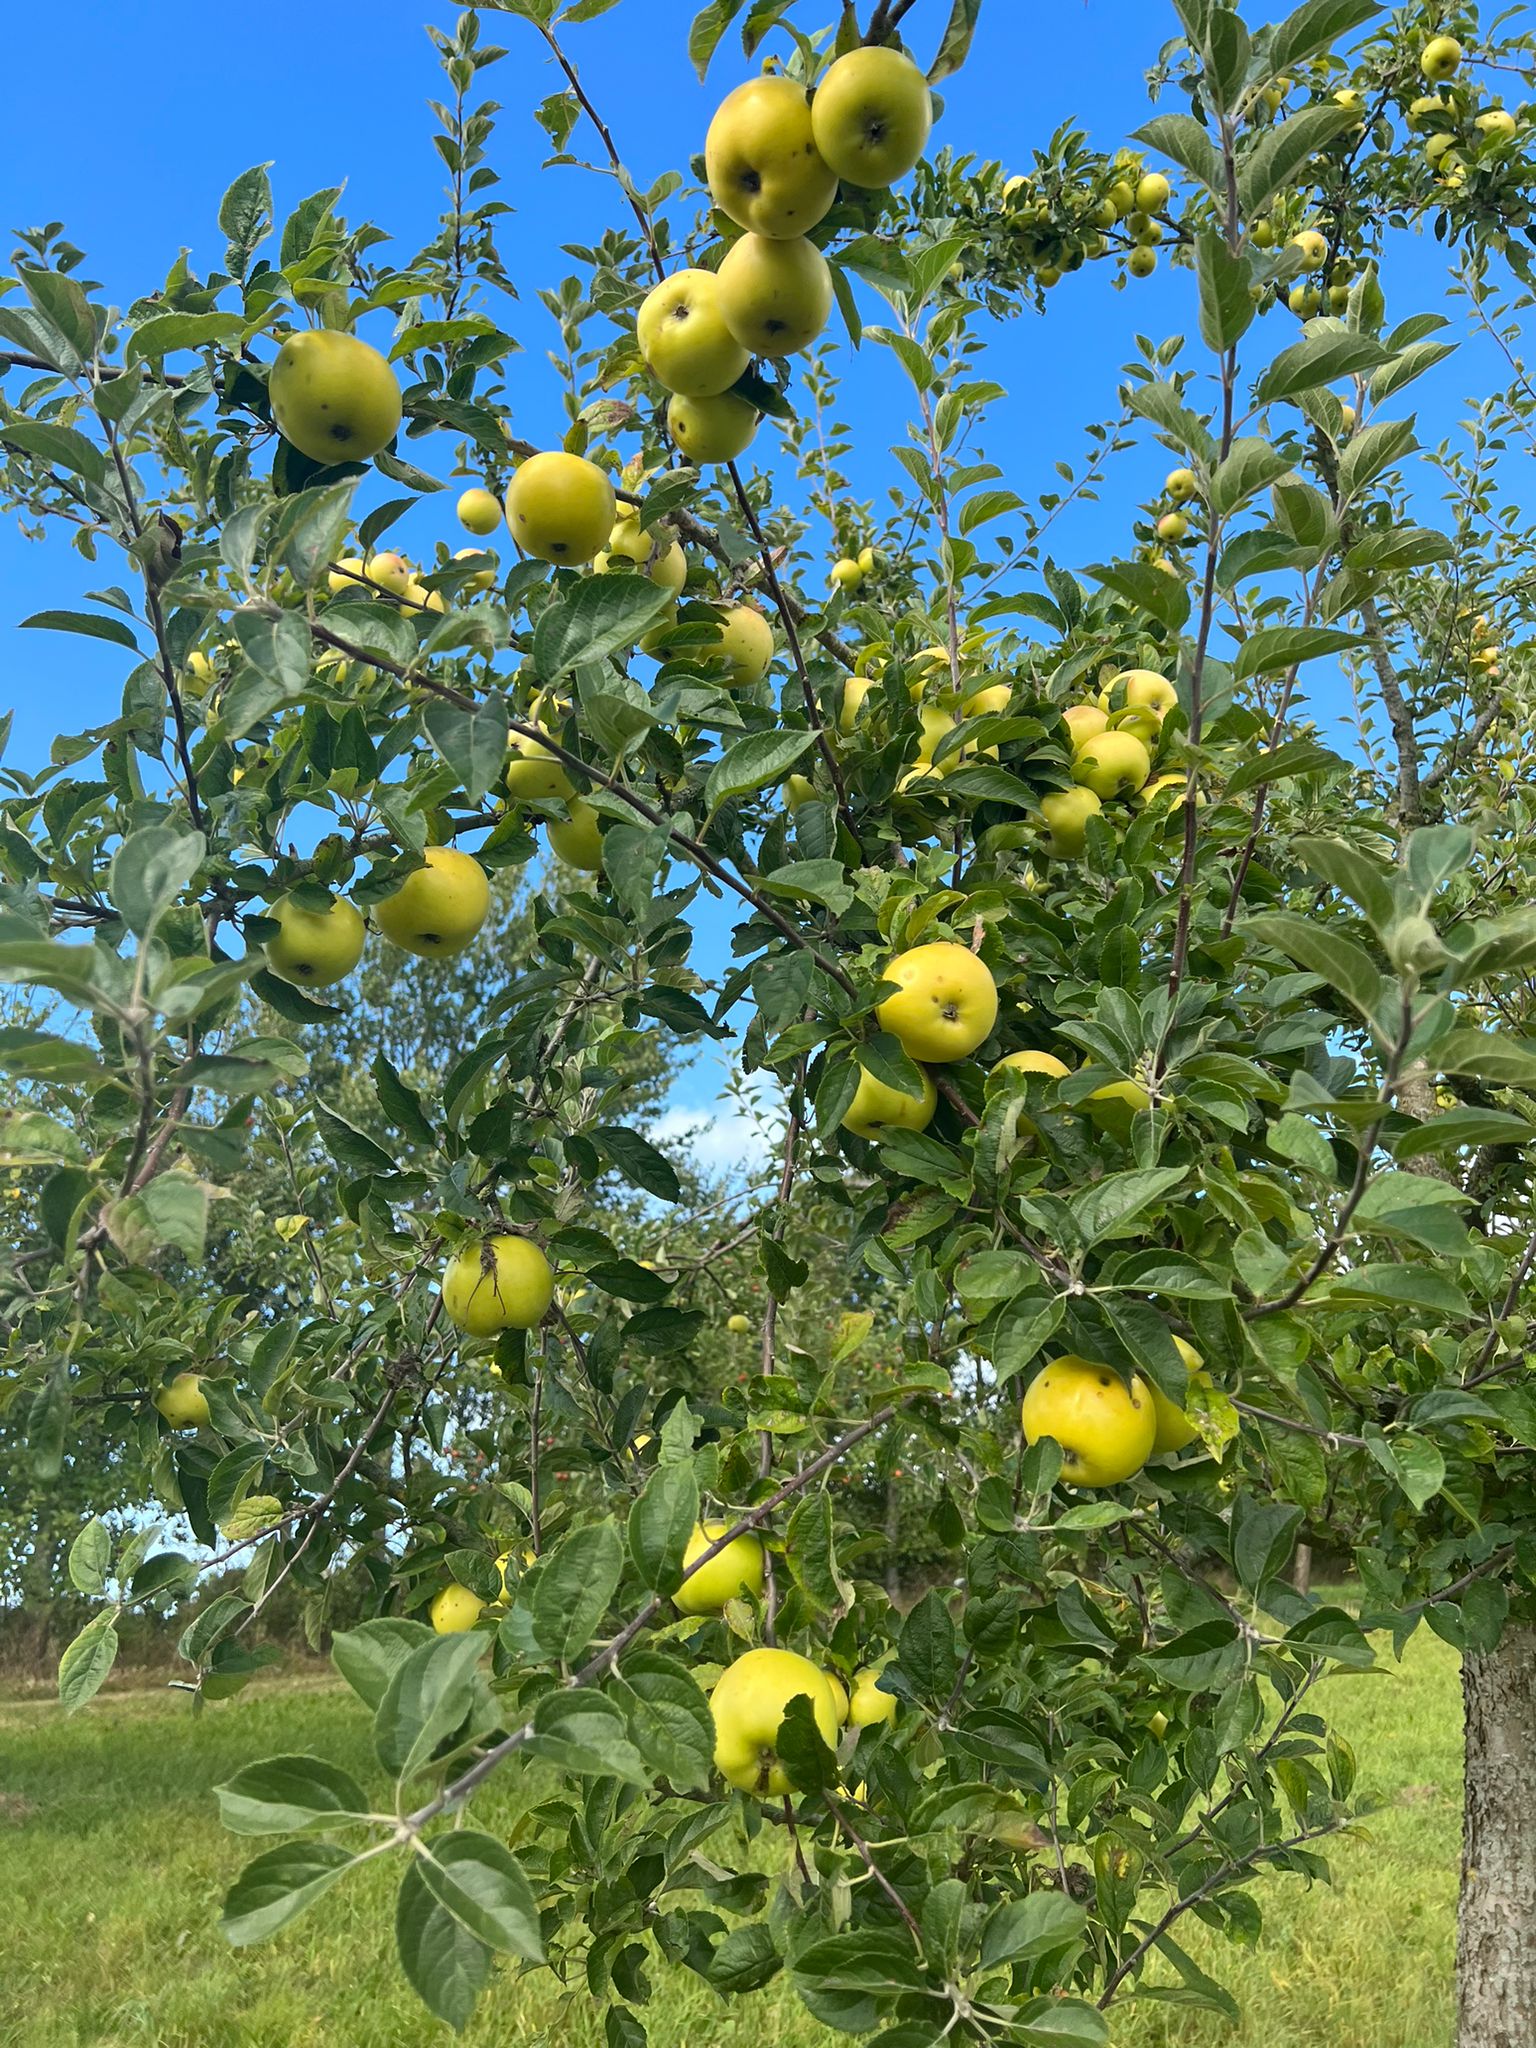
{"points": [[1301, 1571], [1496, 1936]]}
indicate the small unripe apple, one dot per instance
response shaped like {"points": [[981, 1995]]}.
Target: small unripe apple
{"points": [[1181, 485], [846, 574], [1141, 262], [1172, 526], [391, 572], [333, 397], [1122, 197], [479, 511], [738, 1325]]}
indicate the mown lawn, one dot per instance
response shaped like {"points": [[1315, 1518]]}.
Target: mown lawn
{"points": [[112, 1861]]}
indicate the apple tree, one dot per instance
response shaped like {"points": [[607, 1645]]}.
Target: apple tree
{"points": [[1151, 1071]]}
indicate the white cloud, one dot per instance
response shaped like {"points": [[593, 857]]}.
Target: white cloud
{"points": [[735, 1133]]}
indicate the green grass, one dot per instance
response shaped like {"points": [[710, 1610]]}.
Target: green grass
{"points": [[112, 1861]]}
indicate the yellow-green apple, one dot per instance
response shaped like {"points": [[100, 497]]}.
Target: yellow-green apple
{"points": [[761, 162], [1439, 58], [731, 1574], [877, 1108], [560, 507], [748, 1703], [868, 561], [658, 554], [712, 429], [738, 1324], [846, 574], [390, 571], [989, 701], [745, 645], [1304, 300], [455, 1609], [1115, 1107], [1174, 1429], [945, 1003], [485, 574], [684, 338], [1105, 1428], [439, 907], [533, 771], [775, 295], [1142, 261], [333, 397], [798, 790], [479, 511], [349, 575], [1084, 722], [871, 116], [1181, 485], [315, 948], [1312, 248], [1141, 689], [1172, 526], [839, 1696], [1497, 122], [1152, 192], [855, 690], [867, 1704], [497, 1283], [578, 839], [1112, 764], [183, 1403], [1066, 813]]}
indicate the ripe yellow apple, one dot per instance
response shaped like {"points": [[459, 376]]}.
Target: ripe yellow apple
{"points": [[855, 690], [1437, 147], [455, 1609], [945, 1004], [1034, 1063], [839, 1697], [1430, 108], [1142, 261], [798, 790], [1163, 786], [684, 338], [1174, 1429], [712, 429], [315, 948], [1263, 233], [183, 1403], [1105, 1428], [1122, 197], [868, 561], [560, 507], [990, 701], [1172, 526], [1439, 58], [846, 574], [532, 771], [658, 554], [423, 600], [485, 576], [437, 909], [333, 397], [761, 160], [1152, 192], [748, 1704], [775, 295], [877, 1108], [867, 1704], [200, 668], [1115, 1107], [479, 511], [1498, 121], [1304, 300], [738, 1325], [1112, 764], [1346, 419], [1181, 485], [1313, 248], [732, 1574], [345, 578], [578, 839], [497, 1283], [745, 645], [1066, 813], [1084, 722], [1145, 230], [1141, 689], [871, 116], [390, 571]]}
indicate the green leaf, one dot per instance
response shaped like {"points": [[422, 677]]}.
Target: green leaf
{"points": [[427, 1700], [1319, 358], [481, 1883], [1279, 152], [1492, 1056], [1106, 1207], [1459, 1130], [1162, 596], [660, 1523], [1252, 465], [149, 871], [1369, 451], [446, 1964], [1419, 1467], [1226, 302], [745, 1961], [585, 1731], [670, 1721], [171, 1212], [1342, 964], [955, 43], [1271, 648], [287, 1795], [638, 1160], [1182, 139], [277, 1887], [1274, 764], [369, 1655], [245, 217], [754, 762], [1042, 1924], [709, 25], [602, 615], [1263, 1535], [163, 333], [57, 447], [90, 1558], [1200, 1660], [813, 1553], [1354, 874], [94, 628], [84, 1666], [1313, 28], [1381, 1285], [573, 1587], [471, 739], [811, 881], [351, 1148]]}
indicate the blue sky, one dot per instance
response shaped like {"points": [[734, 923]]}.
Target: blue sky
{"points": [[133, 142]]}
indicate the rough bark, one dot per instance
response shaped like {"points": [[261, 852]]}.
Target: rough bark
{"points": [[1496, 1936], [1301, 1570]]}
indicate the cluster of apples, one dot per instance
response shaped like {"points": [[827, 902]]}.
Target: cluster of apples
{"points": [[1113, 741], [1484, 658], [436, 912], [1453, 129], [773, 157], [1075, 229]]}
